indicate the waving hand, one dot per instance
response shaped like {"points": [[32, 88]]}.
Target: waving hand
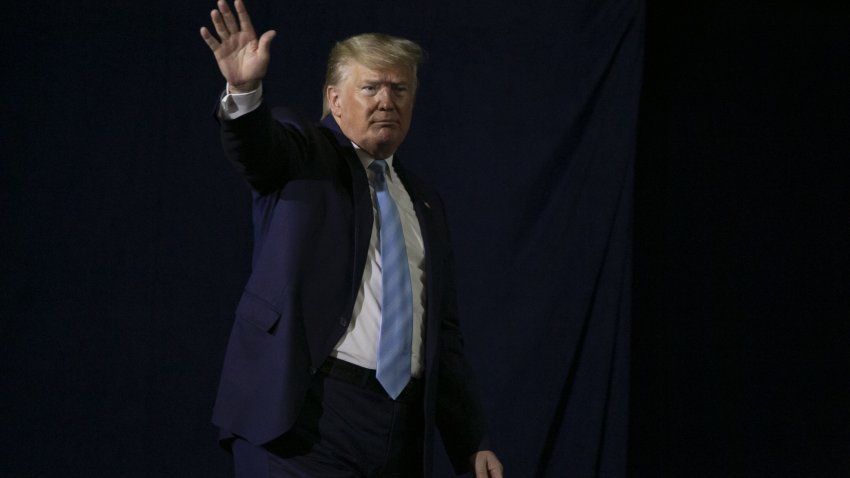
{"points": [[241, 57]]}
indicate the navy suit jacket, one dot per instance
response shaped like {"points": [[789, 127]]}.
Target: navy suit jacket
{"points": [[312, 215]]}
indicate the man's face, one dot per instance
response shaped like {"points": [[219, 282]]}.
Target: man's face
{"points": [[373, 107]]}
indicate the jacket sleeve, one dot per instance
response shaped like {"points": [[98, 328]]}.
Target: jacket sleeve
{"points": [[459, 414], [268, 152]]}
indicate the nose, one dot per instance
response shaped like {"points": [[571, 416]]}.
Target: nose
{"points": [[384, 98]]}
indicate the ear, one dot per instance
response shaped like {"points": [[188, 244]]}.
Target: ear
{"points": [[333, 97]]}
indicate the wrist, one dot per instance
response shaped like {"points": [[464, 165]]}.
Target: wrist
{"points": [[243, 88]]}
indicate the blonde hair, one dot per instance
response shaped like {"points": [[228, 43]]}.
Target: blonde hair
{"points": [[372, 50]]}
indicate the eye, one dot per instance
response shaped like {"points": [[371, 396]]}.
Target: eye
{"points": [[369, 89]]}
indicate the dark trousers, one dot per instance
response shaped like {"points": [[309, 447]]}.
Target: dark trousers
{"points": [[349, 427]]}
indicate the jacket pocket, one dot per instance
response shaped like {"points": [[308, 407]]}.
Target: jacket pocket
{"points": [[257, 311]]}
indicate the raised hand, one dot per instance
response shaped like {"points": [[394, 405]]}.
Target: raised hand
{"points": [[242, 58]]}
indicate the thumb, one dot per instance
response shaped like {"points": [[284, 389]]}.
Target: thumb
{"points": [[266, 41]]}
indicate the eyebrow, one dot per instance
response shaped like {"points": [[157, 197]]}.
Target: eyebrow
{"points": [[374, 81]]}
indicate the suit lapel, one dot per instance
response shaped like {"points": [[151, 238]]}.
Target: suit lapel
{"points": [[420, 205], [362, 203], [425, 216]]}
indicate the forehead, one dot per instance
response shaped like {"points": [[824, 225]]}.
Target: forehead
{"points": [[391, 74]]}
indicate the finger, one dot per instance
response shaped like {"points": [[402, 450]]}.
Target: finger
{"points": [[495, 467], [487, 466], [244, 18], [210, 39], [229, 19], [265, 41], [218, 23]]}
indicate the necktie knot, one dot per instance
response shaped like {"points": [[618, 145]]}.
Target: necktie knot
{"points": [[379, 168]]}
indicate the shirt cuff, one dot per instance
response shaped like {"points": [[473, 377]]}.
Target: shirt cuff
{"points": [[234, 105]]}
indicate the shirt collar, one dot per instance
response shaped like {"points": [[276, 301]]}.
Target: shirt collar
{"points": [[366, 159]]}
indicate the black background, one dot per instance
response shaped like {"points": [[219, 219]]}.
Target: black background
{"points": [[741, 332]]}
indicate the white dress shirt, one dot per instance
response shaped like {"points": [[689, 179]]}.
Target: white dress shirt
{"points": [[359, 344]]}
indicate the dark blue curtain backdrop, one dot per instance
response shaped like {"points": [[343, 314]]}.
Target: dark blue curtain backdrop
{"points": [[126, 235]]}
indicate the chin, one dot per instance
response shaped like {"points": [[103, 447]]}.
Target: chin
{"points": [[385, 144]]}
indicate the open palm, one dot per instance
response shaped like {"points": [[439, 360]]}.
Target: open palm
{"points": [[242, 58]]}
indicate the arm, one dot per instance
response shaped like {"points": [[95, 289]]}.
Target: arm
{"points": [[459, 415], [261, 149], [264, 151]]}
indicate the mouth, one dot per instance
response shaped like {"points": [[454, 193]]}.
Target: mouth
{"points": [[384, 122]]}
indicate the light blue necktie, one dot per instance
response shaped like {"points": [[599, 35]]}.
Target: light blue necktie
{"points": [[396, 334]]}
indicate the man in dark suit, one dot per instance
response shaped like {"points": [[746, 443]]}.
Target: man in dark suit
{"points": [[346, 351]]}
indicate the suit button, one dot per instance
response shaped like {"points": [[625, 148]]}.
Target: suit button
{"points": [[343, 321]]}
